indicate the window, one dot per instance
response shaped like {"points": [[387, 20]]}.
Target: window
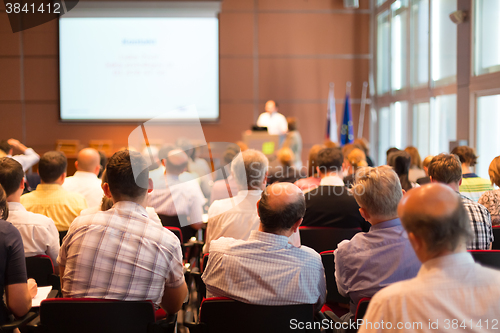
{"points": [[487, 37], [443, 42], [384, 134], [443, 123], [488, 135], [419, 43], [383, 58], [421, 122], [399, 20], [392, 122]]}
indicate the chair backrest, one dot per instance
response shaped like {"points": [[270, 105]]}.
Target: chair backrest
{"points": [[62, 234], [84, 315], [496, 235], [362, 307], [204, 262], [223, 315], [40, 268], [176, 231], [324, 238], [332, 296], [490, 258]]}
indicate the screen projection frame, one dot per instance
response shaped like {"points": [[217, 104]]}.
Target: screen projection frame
{"points": [[166, 9]]}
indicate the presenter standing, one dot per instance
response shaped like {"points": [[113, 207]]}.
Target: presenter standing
{"points": [[275, 122]]}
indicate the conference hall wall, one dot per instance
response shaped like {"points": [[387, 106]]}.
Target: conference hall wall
{"points": [[288, 50]]}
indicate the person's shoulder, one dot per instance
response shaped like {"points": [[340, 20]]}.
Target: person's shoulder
{"points": [[8, 229], [35, 218], [74, 196], [224, 244], [396, 290]]}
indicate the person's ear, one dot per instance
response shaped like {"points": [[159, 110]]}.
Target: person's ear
{"points": [[76, 165], [296, 225], [105, 189], [318, 170], [364, 213], [264, 181], [460, 182], [415, 242], [258, 202], [62, 177], [97, 169], [22, 184], [404, 192], [150, 185]]}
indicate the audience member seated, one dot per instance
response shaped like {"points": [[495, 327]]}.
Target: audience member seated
{"points": [[236, 217], [282, 169], [85, 180], [143, 263], [491, 199], [373, 260], [400, 162], [352, 162], [446, 169], [27, 159], [183, 200], [266, 269], [39, 232], [472, 185], [425, 166], [416, 170], [49, 198], [197, 166], [13, 279], [293, 141], [389, 152], [226, 187], [364, 145], [156, 169], [450, 287], [331, 204], [313, 178]]}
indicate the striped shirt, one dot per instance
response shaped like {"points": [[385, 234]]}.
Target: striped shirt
{"points": [[265, 270], [480, 221], [120, 254], [474, 186]]}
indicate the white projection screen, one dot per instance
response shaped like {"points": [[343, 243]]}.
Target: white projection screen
{"points": [[132, 61]]}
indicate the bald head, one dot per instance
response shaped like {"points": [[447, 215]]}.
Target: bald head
{"points": [[435, 214], [88, 160], [281, 206], [176, 162]]}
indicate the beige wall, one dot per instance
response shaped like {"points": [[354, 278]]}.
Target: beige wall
{"points": [[288, 50]]}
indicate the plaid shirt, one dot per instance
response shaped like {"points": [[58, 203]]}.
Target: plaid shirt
{"points": [[120, 254], [480, 222]]}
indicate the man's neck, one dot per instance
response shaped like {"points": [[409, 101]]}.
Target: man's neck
{"points": [[332, 174], [52, 183], [465, 169], [14, 198], [429, 256], [286, 233], [376, 220], [454, 186]]}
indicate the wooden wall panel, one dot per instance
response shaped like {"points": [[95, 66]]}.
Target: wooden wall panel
{"points": [[236, 34], [41, 77], [10, 79]]}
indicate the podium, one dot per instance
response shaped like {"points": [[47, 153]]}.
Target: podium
{"points": [[262, 141]]}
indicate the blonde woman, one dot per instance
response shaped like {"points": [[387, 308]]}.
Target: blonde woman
{"points": [[355, 160]]}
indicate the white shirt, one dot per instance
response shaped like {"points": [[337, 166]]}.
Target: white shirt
{"points": [[150, 210], [39, 233], [265, 270], [446, 288], [87, 184], [27, 159], [276, 123], [331, 181]]}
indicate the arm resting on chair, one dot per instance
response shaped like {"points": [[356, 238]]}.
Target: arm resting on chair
{"points": [[173, 298]]}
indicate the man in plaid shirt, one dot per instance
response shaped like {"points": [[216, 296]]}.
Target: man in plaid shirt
{"points": [[120, 253], [446, 168]]}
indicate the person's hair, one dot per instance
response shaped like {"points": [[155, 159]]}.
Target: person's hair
{"points": [[312, 160], [445, 168], [187, 146], [400, 162], [330, 144], [465, 154], [5, 146], [292, 123], [378, 190], [389, 152], [415, 157], [330, 159], [11, 175], [357, 158], [243, 146], [175, 168], [103, 160], [281, 216], [440, 232], [347, 148], [285, 156], [249, 169], [363, 144], [494, 171], [52, 165], [127, 175], [4, 208], [231, 151], [427, 161]]}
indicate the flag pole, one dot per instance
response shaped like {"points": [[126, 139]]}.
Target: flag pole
{"points": [[361, 123]]}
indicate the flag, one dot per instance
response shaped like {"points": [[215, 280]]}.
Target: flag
{"points": [[331, 118], [347, 130]]}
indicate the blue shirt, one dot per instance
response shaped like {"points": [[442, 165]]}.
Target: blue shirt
{"points": [[373, 260]]}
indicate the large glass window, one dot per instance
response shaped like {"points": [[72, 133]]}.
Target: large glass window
{"points": [[421, 121], [384, 134], [488, 135], [399, 20], [442, 123], [393, 122], [383, 56], [487, 36], [419, 42], [443, 41]]}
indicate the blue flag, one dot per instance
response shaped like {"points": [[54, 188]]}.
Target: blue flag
{"points": [[347, 130]]}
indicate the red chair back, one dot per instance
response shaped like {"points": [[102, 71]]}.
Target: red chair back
{"points": [[362, 307]]}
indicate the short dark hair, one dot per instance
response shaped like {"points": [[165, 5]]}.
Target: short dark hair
{"points": [[11, 175], [445, 168], [282, 218], [5, 146], [103, 160], [51, 166], [127, 175], [330, 159], [4, 208], [465, 154]]}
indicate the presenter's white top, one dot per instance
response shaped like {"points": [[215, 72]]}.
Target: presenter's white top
{"points": [[87, 184], [275, 122]]}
